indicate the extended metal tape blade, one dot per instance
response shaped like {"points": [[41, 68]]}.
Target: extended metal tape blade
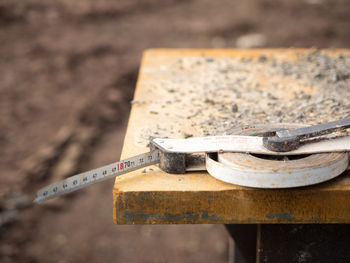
{"points": [[82, 180]]}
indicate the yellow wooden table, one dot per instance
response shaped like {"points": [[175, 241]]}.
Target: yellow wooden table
{"points": [[184, 93]]}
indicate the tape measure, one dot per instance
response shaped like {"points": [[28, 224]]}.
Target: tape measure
{"points": [[177, 150]]}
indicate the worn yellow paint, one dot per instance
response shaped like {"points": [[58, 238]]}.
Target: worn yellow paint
{"points": [[158, 197]]}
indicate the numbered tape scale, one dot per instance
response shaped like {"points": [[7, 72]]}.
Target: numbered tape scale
{"points": [[261, 156]]}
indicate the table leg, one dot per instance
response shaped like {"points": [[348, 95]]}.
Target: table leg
{"points": [[303, 243], [244, 236]]}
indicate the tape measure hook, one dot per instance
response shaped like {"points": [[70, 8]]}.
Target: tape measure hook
{"points": [[170, 162]]}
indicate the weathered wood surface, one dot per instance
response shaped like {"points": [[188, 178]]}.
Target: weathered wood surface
{"points": [[182, 93]]}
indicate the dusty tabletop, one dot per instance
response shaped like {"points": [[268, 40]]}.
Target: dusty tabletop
{"points": [[200, 95]]}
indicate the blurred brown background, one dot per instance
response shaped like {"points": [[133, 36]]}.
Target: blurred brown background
{"points": [[67, 74]]}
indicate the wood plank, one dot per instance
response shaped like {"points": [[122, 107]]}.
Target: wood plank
{"points": [[183, 93]]}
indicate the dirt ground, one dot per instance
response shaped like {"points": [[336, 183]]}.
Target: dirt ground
{"points": [[67, 74]]}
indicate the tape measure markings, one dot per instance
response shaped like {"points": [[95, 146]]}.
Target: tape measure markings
{"points": [[81, 180]]}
